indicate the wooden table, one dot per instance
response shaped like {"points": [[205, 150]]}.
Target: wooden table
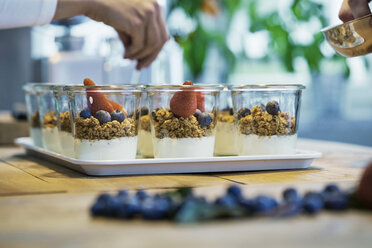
{"points": [[45, 205]]}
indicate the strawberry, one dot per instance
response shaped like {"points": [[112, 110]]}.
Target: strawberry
{"points": [[184, 103], [98, 101]]}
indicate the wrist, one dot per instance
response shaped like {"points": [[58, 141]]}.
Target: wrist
{"points": [[70, 8]]}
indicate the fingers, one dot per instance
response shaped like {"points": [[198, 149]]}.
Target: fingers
{"points": [[352, 9], [345, 13], [137, 35], [124, 38], [152, 37], [145, 62], [359, 8]]}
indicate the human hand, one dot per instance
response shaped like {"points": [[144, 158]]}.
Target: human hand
{"points": [[139, 24], [352, 9]]}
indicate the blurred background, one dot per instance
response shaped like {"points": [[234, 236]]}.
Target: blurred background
{"points": [[213, 41]]}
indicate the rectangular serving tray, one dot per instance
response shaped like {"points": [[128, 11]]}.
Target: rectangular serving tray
{"points": [[301, 160]]}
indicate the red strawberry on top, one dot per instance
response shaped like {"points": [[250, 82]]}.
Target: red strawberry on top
{"points": [[200, 98], [184, 103]]}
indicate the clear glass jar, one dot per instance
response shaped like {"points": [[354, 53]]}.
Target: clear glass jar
{"points": [[145, 146], [48, 117], [104, 121], [33, 115], [267, 118], [183, 119], [226, 143]]}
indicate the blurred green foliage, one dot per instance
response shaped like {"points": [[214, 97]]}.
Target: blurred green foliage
{"points": [[281, 46]]}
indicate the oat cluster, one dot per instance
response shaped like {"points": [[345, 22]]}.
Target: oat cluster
{"points": [[264, 124], [50, 120], [35, 120], [166, 124], [65, 121], [91, 129], [145, 123]]}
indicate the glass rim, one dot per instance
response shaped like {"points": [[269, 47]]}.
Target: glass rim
{"points": [[258, 87], [106, 88], [195, 87]]}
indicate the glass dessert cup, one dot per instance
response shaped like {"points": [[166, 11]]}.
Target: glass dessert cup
{"points": [[266, 118], [33, 115], [226, 143], [48, 117], [104, 121], [145, 146], [183, 120]]}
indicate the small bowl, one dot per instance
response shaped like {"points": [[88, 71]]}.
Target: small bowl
{"points": [[351, 39]]}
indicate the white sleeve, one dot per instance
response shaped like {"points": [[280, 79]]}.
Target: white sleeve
{"points": [[21, 13]]}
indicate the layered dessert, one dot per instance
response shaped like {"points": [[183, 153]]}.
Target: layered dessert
{"points": [[66, 137], [184, 129], [265, 130], [226, 143], [104, 130], [50, 132], [35, 129], [145, 145]]}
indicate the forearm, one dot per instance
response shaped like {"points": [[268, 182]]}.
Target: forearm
{"points": [[70, 8]]}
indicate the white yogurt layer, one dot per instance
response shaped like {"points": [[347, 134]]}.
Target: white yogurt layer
{"points": [[226, 143], [115, 149], [145, 145], [266, 145], [36, 136], [51, 139], [184, 147], [66, 140]]}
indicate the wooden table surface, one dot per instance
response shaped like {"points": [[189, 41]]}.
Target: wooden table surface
{"points": [[45, 205]]}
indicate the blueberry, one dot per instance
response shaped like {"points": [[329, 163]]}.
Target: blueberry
{"points": [[226, 201], [117, 115], [85, 113], [197, 113], [265, 203], [331, 188], [243, 112], [312, 202], [98, 208], [272, 107], [144, 111], [291, 195], [122, 193], [235, 191], [130, 206], [204, 119], [155, 208], [103, 116], [141, 194], [336, 201]]}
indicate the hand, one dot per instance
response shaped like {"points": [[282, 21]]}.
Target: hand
{"points": [[139, 24], [352, 9]]}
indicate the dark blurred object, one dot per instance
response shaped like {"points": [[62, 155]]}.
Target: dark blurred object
{"points": [[364, 192], [11, 128], [19, 111]]}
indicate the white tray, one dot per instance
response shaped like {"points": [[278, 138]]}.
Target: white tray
{"points": [[301, 160]]}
